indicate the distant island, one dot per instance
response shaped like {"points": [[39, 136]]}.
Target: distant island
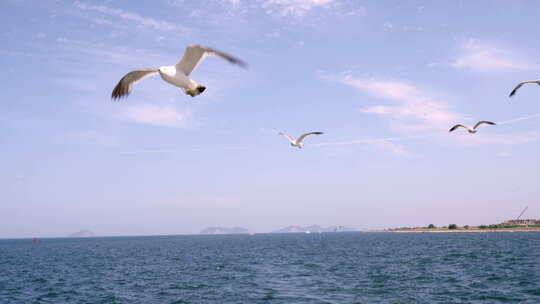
{"points": [[517, 225], [314, 229], [224, 230], [82, 233]]}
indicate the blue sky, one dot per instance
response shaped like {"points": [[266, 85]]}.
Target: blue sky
{"points": [[384, 80]]}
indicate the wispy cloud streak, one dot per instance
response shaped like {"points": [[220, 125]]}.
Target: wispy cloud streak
{"points": [[519, 119], [148, 151], [484, 57], [498, 139], [150, 114], [129, 16], [388, 144], [293, 7], [167, 151], [358, 141], [416, 110]]}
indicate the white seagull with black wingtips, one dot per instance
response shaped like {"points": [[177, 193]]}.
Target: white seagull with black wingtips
{"points": [[473, 129], [299, 141], [177, 75]]}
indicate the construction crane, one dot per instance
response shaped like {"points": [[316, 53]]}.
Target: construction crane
{"points": [[527, 207]]}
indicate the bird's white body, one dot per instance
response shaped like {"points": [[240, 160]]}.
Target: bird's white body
{"points": [[177, 78], [294, 143]]}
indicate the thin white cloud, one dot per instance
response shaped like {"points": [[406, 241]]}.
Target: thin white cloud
{"points": [[519, 119], [394, 148], [129, 16], [234, 2], [167, 151], [294, 7], [387, 144], [148, 151], [367, 140], [485, 57], [150, 114], [416, 110], [497, 139], [102, 53]]}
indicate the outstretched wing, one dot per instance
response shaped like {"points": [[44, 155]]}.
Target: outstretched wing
{"points": [[195, 54], [457, 126], [301, 138], [288, 137], [483, 122], [520, 85], [125, 85]]}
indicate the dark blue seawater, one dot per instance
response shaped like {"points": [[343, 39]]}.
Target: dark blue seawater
{"points": [[275, 268]]}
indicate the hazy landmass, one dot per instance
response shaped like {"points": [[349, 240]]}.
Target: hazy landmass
{"points": [[83, 233], [314, 229], [224, 230], [510, 225]]}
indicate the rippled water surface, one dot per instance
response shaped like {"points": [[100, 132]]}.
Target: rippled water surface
{"points": [[275, 268]]}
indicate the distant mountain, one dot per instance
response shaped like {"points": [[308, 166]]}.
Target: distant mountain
{"points": [[314, 229], [224, 230], [341, 229], [83, 233]]}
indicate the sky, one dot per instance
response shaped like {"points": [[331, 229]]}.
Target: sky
{"points": [[384, 80]]}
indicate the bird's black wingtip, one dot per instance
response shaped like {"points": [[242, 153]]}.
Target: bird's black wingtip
{"points": [[240, 63], [117, 97]]}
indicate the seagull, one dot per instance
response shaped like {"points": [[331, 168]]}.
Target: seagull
{"points": [[521, 84], [298, 142], [472, 130], [177, 75]]}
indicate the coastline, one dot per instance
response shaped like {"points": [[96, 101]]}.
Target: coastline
{"points": [[532, 229]]}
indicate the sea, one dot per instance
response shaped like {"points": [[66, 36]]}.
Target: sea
{"points": [[499, 267]]}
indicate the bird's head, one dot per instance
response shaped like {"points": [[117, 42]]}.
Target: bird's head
{"points": [[472, 131]]}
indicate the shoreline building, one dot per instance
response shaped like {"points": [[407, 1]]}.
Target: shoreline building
{"points": [[522, 222]]}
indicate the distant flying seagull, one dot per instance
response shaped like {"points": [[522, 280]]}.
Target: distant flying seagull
{"points": [[472, 130], [521, 84], [176, 75], [299, 142]]}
